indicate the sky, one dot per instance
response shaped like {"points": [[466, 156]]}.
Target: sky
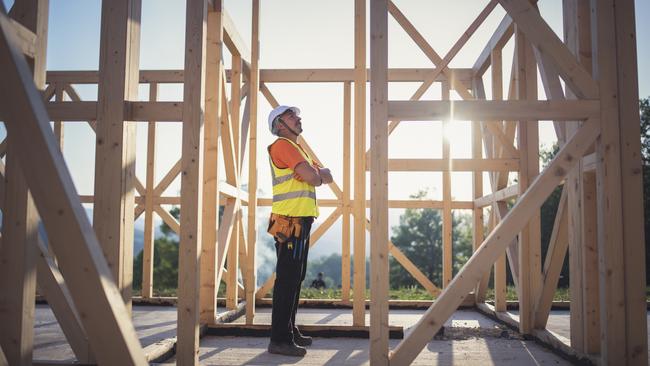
{"points": [[302, 34]]}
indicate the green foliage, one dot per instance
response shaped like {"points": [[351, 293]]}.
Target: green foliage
{"points": [[644, 111], [561, 294], [165, 266], [166, 230], [419, 237], [165, 262], [402, 293], [548, 212], [331, 268]]}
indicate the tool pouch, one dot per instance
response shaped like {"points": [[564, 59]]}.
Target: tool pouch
{"points": [[283, 228]]}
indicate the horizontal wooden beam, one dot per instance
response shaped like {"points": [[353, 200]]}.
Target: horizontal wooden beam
{"points": [[342, 75], [398, 110], [501, 195], [456, 205], [154, 111], [452, 165], [165, 200], [135, 111], [270, 75], [492, 110]]}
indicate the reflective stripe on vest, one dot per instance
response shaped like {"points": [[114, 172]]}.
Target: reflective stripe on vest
{"points": [[292, 197]]}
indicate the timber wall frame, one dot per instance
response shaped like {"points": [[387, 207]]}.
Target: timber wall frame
{"points": [[596, 121]]}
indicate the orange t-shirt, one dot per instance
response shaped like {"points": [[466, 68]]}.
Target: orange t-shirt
{"points": [[285, 155]]}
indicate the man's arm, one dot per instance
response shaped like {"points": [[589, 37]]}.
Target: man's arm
{"points": [[309, 174]]}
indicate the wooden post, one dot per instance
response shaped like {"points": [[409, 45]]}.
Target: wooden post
{"points": [[500, 266], [148, 249], [210, 223], [577, 37], [633, 232], [529, 239], [254, 86], [379, 182], [17, 263], [58, 125], [359, 274], [590, 283], [233, 250], [18, 254], [78, 252], [345, 239], [191, 183], [618, 167], [447, 219], [115, 143]]}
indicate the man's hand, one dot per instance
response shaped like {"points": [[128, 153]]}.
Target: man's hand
{"points": [[325, 175]]}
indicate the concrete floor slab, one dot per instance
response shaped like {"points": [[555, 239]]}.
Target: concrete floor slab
{"points": [[474, 339]]}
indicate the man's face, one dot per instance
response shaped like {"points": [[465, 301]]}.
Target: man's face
{"points": [[292, 120]]}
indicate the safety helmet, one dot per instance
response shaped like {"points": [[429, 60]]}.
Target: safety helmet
{"points": [[277, 111]]}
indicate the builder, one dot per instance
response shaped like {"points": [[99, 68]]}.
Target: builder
{"points": [[295, 176]]}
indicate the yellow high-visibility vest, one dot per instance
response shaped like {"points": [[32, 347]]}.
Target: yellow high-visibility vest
{"points": [[292, 197]]}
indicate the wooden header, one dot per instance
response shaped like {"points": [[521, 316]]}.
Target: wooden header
{"points": [[268, 75], [491, 110]]}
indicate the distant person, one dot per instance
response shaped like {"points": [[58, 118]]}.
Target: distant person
{"points": [[295, 177], [318, 283]]}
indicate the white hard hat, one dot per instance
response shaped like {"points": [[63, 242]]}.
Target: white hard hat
{"points": [[277, 111]]}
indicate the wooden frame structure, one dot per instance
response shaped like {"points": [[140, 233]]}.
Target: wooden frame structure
{"points": [[85, 274]]}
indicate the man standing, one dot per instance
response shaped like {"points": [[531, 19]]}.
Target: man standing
{"points": [[295, 176]]}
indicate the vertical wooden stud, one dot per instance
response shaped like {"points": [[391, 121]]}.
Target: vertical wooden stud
{"points": [[17, 263], [359, 274], [113, 212], [379, 182], [233, 249], [210, 223], [345, 239], [620, 227], [148, 249], [254, 87], [187, 348], [447, 219], [20, 217], [529, 241]]}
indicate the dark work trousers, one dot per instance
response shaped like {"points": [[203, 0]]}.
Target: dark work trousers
{"points": [[290, 271]]}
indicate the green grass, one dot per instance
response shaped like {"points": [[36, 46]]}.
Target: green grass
{"points": [[404, 293], [561, 294]]}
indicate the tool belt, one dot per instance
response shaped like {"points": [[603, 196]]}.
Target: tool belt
{"points": [[283, 228]]}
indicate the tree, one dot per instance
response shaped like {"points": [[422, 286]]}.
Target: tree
{"points": [[548, 212], [165, 261], [331, 268], [644, 111], [419, 237]]}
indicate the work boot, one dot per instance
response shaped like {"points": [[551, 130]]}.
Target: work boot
{"points": [[300, 339], [287, 349]]}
